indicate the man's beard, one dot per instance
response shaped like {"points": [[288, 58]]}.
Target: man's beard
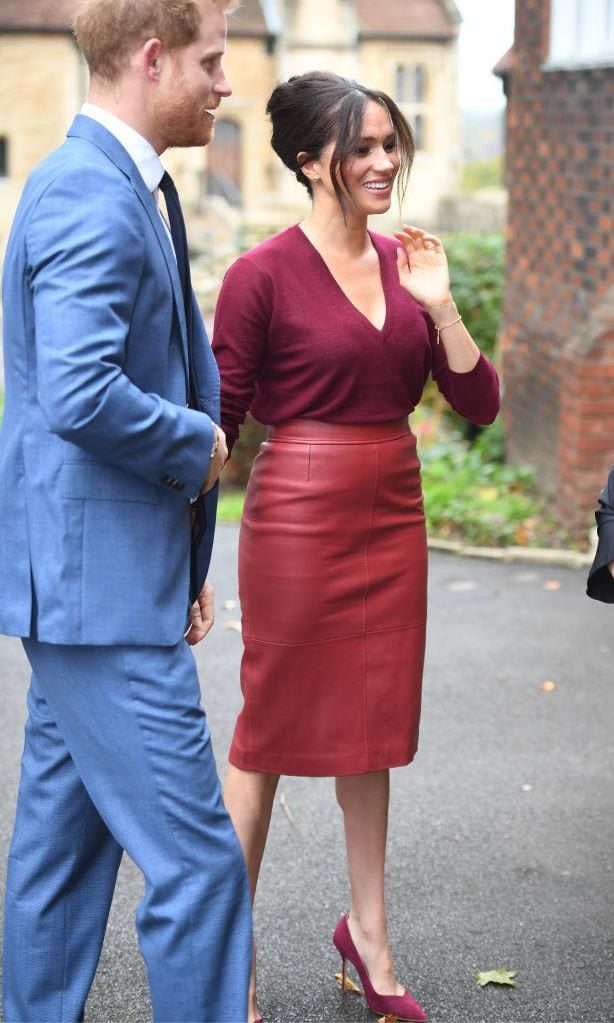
{"points": [[181, 120]]}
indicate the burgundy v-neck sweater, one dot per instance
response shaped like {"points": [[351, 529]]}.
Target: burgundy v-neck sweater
{"points": [[291, 345]]}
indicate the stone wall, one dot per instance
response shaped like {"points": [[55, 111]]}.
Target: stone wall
{"points": [[44, 82], [253, 73], [436, 166], [558, 337], [42, 85]]}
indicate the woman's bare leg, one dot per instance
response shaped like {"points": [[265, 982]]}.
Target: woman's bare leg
{"points": [[249, 796], [364, 799]]}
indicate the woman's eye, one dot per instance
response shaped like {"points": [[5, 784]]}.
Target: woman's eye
{"points": [[363, 151], [390, 147]]}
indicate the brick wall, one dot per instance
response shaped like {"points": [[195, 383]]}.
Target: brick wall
{"points": [[558, 335]]}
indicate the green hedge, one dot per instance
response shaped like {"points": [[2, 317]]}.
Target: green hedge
{"points": [[477, 269]]}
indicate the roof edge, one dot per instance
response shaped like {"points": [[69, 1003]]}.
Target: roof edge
{"points": [[452, 11], [272, 16], [35, 30], [422, 37], [505, 63]]}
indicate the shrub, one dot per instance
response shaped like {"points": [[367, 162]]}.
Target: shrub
{"points": [[475, 499], [482, 174], [477, 266]]}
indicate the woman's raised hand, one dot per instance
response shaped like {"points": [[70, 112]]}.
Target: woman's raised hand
{"points": [[423, 266]]}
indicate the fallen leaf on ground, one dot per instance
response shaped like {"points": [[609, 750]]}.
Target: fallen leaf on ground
{"points": [[552, 584], [499, 976], [233, 625], [548, 686], [229, 605], [349, 984]]}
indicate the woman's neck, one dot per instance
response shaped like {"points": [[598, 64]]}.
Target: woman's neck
{"points": [[326, 228]]}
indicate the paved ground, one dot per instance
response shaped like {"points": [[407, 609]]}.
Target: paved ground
{"points": [[501, 844]]}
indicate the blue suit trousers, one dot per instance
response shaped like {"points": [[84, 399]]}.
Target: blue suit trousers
{"points": [[118, 757]]}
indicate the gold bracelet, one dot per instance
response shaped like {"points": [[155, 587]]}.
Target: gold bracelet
{"points": [[216, 444], [450, 324]]}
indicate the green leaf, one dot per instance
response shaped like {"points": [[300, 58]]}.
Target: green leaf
{"points": [[499, 976]]}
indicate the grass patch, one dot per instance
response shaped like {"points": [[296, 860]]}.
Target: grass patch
{"points": [[230, 504]]}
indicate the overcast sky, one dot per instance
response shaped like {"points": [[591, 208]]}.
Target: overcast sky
{"points": [[486, 33]]}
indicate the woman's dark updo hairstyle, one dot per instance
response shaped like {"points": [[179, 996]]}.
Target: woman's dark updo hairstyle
{"points": [[309, 111]]}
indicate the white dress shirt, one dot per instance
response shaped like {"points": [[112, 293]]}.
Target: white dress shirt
{"points": [[148, 162]]}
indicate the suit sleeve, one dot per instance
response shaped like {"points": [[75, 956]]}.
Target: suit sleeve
{"points": [[600, 583], [86, 257]]}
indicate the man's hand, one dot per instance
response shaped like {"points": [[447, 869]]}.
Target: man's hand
{"points": [[218, 460], [611, 568], [201, 616]]}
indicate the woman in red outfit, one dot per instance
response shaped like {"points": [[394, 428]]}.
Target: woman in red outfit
{"points": [[327, 333]]}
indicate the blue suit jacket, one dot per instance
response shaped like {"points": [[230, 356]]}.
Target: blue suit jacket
{"points": [[99, 454]]}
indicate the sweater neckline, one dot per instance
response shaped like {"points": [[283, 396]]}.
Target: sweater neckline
{"points": [[379, 331]]}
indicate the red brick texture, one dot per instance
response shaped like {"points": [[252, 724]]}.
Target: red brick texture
{"points": [[558, 336]]}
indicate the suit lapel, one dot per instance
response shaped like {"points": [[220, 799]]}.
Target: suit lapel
{"points": [[153, 213], [86, 127]]}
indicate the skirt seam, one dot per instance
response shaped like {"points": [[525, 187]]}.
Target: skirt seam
{"points": [[336, 639], [365, 699]]}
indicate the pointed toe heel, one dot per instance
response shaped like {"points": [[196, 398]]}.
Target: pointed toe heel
{"points": [[404, 1007]]}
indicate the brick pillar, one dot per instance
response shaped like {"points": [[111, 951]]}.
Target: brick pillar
{"points": [[586, 424], [558, 331]]}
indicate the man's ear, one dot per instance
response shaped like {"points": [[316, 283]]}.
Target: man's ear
{"points": [[149, 58]]}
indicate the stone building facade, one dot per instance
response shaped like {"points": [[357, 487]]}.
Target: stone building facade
{"points": [[558, 335], [406, 47]]}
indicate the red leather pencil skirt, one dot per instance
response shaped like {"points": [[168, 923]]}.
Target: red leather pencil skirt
{"points": [[332, 583]]}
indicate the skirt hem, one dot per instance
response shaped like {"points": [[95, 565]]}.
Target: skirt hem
{"points": [[273, 764]]}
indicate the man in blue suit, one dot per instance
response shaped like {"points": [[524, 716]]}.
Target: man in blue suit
{"points": [[108, 443]]}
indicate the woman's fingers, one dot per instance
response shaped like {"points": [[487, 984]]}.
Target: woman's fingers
{"points": [[407, 241], [418, 238]]}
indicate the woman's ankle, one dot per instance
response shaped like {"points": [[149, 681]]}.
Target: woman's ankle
{"points": [[371, 929]]}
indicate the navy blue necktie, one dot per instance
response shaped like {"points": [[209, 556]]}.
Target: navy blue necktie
{"points": [[180, 244]]}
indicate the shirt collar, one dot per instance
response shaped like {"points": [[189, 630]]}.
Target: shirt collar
{"points": [[142, 152]]}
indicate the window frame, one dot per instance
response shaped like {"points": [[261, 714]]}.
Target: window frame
{"points": [[581, 35]]}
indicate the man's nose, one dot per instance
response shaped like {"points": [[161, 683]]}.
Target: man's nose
{"points": [[223, 87]]}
